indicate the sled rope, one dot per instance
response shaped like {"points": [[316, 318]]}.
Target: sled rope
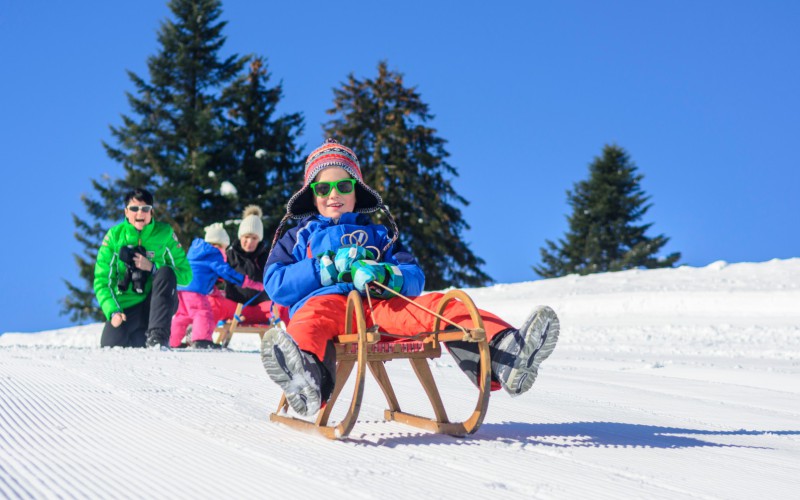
{"points": [[468, 334], [371, 311], [240, 319]]}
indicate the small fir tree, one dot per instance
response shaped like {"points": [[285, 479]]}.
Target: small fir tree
{"points": [[386, 124], [602, 233]]}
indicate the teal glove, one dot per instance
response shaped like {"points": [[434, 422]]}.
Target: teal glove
{"points": [[327, 269], [367, 271], [345, 257]]}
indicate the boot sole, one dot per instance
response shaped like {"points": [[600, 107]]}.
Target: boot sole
{"points": [[543, 328], [283, 362]]}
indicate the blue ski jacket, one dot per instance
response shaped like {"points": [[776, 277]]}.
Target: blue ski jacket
{"points": [[292, 276], [208, 265]]}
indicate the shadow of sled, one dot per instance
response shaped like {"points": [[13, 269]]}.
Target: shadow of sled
{"points": [[579, 435], [613, 434]]}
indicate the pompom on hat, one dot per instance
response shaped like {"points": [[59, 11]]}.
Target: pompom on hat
{"points": [[251, 222], [217, 235], [333, 154]]}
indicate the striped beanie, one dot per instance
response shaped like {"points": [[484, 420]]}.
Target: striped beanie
{"points": [[332, 154]]}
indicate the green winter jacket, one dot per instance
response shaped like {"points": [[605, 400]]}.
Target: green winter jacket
{"points": [[163, 249]]}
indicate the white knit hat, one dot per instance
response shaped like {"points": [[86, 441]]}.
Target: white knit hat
{"points": [[217, 235], [251, 222]]}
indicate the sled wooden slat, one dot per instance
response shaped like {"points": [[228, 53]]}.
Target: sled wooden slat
{"points": [[366, 350], [233, 325]]}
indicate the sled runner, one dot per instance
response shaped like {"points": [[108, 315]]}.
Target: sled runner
{"points": [[363, 349]]}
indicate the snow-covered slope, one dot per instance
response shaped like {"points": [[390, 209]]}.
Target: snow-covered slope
{"points": [[665, 383]]}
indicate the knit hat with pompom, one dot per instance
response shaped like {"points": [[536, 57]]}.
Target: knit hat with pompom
{"points": [[251, 222]]}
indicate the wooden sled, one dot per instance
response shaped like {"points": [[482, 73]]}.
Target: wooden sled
{"points": [[361, 348], [238, 324]]}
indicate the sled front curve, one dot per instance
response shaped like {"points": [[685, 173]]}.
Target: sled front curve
{"points": [[360, 348], [344, 367]]}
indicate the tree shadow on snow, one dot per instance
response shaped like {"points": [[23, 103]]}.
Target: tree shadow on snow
{"points": [[584, 435]]}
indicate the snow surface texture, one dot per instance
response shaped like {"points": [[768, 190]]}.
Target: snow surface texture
{"points": [[679, 383]]}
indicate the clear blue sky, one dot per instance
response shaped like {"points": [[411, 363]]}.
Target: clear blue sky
{"points": [[705, 97]]}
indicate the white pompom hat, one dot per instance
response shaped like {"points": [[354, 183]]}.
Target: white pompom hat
{"points": [[217, 235], [251, 222]]}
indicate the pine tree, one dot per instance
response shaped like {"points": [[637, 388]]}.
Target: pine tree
{"points": [[385, 123], [177, 143], [602, 233], [270, 164]]}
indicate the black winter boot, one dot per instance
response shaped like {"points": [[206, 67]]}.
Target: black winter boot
{"points": [[157, 337], [205, 344]]}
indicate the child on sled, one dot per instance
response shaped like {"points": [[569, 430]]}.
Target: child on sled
{"points": [[248, 256], [207, 260], [335, 249]]}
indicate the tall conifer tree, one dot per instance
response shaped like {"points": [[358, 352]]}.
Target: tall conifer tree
{"points": [[263, 147], [179, 145], [603, 235], [386, 124]]}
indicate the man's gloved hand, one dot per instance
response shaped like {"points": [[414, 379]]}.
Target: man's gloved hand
{"points": [[328, 275], [253, 285], [365, 272], [346, 255]]}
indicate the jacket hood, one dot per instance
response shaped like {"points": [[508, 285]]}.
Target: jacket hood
{"points": [[202, 250]]}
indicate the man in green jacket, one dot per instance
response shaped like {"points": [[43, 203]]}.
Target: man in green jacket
{"points": [[139, 265]]}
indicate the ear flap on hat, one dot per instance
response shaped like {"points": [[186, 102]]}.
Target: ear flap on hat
{"points": [[367, 200]]}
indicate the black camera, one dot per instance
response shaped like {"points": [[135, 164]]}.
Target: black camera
{"points": [[133, 275]]}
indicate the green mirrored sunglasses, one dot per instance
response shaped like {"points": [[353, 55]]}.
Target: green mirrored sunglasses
{"points": [[323, 189]]}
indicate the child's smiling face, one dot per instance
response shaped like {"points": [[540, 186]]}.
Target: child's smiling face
{"points": [[336, 203]]}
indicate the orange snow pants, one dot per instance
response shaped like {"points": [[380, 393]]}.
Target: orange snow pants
{"points": [[322, 318]]}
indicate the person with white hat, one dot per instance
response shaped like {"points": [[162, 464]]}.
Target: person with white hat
{"points": [[207, 259], [248, 256]]}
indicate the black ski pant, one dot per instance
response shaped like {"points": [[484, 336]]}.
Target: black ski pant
{"points": [[154, 312], [468, 357]]}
